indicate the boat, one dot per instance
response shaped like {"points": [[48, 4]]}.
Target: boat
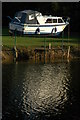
{"points": [[33, 22]]}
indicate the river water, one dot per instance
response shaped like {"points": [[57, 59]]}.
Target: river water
{"points": [[41, 91]]}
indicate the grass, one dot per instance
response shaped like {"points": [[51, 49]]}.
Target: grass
{"points": [[33, 42], [37, 42]]}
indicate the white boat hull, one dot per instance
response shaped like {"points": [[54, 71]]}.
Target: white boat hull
{"points": [[38, 29]]}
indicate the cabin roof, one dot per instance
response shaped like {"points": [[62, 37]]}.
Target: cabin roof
{"points": [[27, 16], [28, 12], [32, 17]]}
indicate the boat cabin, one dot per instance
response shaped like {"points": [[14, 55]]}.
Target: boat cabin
{"points": [[33, 22]]}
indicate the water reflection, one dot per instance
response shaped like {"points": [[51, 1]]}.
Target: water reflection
{"points": [[45, 89], [41, 91]]}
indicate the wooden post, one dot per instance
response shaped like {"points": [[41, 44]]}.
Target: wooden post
{"points": [[49, 46], [15, 50], [68, 55], [15, 54]]}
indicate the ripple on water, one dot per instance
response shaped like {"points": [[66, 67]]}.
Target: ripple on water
{"points": [[45, 89]]}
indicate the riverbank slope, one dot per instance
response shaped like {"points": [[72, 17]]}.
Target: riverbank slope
{"points": [[39, 54]]}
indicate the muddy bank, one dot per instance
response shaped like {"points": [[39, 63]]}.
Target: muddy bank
{"points": [[39, 54]]}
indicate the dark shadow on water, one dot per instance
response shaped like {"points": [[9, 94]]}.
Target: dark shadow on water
{"points": [[41, 91]]}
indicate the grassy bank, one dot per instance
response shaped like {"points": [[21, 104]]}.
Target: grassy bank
{"points": [[26, 46], [38, 41]]}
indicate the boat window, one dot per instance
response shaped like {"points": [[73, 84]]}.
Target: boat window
{"points": [[48, 21], [60, 21], [54, 20], [31, 17]]}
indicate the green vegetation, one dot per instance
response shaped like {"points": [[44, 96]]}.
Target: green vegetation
{"points": [[37, 42], [33, 42]]}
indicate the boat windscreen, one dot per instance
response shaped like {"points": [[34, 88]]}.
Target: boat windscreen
{"points": [[26, 18], [21, 16]]}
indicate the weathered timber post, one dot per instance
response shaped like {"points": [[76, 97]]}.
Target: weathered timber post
{"points": [[49, 51], [15, 49], [68, 54], [49, 46]]}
